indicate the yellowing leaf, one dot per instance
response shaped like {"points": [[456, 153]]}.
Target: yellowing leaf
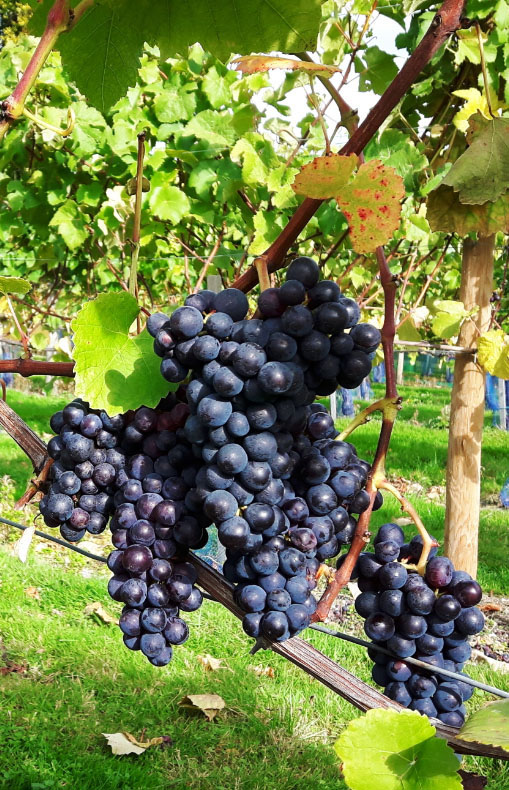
{"points": [[251, 64], [96, 609], [493, 353], [14, 285], [407, 329], [325, 177], [446, 213], [448, 317], [475, 102], [208, 704], [371, 203], [20, 548], [125, 743], [209, 663]]}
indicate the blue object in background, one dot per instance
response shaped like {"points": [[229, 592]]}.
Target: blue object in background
{"points": [[504, 494], [378, 373], [347, 408]]}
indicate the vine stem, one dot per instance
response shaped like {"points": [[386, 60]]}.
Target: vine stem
{"points": [[135, 250], [427, 541], [446, 21], [363, 417], [35, 367]]}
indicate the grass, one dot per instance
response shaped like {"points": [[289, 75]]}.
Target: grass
{"points": [[36, 410], [276, 732], [80, 681], [418, 449]]}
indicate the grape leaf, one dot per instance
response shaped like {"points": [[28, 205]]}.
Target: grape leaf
{"points": [[71, 224], [445, 212], [493, 353], [448, 315], [251, 64], [476, 102], [371, 205], [481, 173], [101, 54], [14, 285], [396, 751], [115, 372], [325, 176], [489, 724]]}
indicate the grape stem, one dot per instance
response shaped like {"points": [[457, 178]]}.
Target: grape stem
{"points": [[135, 241], [260, 265], [34, 486], [386, 405], [427, 541]]}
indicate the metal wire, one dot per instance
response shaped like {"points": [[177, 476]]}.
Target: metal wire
{"points": [[338, 634], [55, 540]]}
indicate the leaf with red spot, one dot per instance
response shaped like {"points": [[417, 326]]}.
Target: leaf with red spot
{"points": [[325, 177], [371, 203]]}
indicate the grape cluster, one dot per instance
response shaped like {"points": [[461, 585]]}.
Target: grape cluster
{"points": [[87, 459], [152, 529], [429, 618], [281, 500]]}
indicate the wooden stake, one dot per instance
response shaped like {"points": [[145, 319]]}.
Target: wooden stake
{"points": [[467, 412]]}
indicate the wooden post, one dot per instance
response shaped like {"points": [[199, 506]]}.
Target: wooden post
{"points": [[463, 491], [401, 364]]}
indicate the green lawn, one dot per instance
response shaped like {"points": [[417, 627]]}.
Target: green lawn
{"points": [[276, 732]]}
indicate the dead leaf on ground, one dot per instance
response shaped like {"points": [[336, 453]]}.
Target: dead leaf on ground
{"points": [[210, 663], [490, 607], [16, 669], [260, 670], [33, 592], [125, 743], [472, 781], [97, 610], [208, 704], [20, 548]]}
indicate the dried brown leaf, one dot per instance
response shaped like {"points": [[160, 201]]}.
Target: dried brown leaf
{"points": [[208, 704], [97, 610], [252, 64], [262, 671], [33, 592], [472, 781], [125, 743], [209, 663]]}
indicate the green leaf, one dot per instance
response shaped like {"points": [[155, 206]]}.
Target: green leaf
{"points": [[481, 174], [378, 72], [90, 194], [445, 212], [217, 88], [70, 223], [115, 372], [167, 201], [102, 54], [213, 127], [448, 317], [393, 750], [407, 329], [493, 355], [175, 104], [489, 724], [14, 285]]}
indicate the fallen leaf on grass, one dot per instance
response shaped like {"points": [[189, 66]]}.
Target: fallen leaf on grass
{"points": [[260, 670], [208, 704], [98, 611], [210, 663], [20, 548], [472, 781], [33, 592], [17, 669], [125, 743], [490, 607]]}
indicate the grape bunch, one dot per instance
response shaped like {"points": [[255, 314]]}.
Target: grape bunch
{"points": [[263, 483], [429, 618], [87, 459]]}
